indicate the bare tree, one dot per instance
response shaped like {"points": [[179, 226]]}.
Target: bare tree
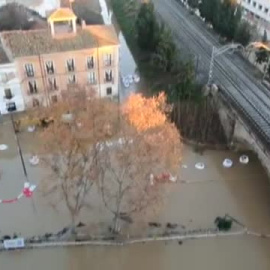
{"points": [[147, 144], [69, 149]]}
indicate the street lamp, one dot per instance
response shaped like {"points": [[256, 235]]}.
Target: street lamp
{"points": [[218, 51]]}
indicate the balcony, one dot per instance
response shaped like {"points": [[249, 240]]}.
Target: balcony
{"points": [[11, 107], [50, 71], [109, 80], [70, 68], [53, 88], [92, 82], [108, 63], [30, 74], [32, 92], [8, 96]]}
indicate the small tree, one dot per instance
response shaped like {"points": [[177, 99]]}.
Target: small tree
{"points": [[264, 37], [147, 27], [70, 149], [185, 84], [147, 144], [193, 3], [243, 33], [165, 55], [14, 17], [262, 56], [209, 9]]}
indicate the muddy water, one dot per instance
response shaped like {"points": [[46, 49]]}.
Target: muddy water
{"points": [[242, 191]]}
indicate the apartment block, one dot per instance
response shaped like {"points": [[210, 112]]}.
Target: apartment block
{"points": [[63, 58], [257, 12]]}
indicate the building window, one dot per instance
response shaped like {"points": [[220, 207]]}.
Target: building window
{"points": [[257, 17], [70, 65], [249, 1], [108, 76], [8, 94], [108, 91], [260, 7], [54, 99], [29, 69], [11, 107], [49, 67], [52, 84], [254, 4], [32, 87], [35, 102], [90, 62], [108, 59], [266, 10], [71, 79], [92, 77]]}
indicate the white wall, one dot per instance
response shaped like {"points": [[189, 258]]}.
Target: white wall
{"points": [[257, 12], [10, 80], [261, 8]]}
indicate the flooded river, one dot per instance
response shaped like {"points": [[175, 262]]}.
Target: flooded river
{"points": [[241, 191]]}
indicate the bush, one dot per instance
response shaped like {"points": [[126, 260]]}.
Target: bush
{"points": [[14, 17], [147, 27]]}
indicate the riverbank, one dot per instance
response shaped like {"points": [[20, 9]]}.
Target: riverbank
{"points": [[165, 237], [119, 241]]}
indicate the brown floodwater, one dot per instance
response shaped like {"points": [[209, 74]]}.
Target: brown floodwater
{"points": [[241, 191]]}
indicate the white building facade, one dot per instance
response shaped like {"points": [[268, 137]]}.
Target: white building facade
{"points": [[11, 98], [257, 12]]}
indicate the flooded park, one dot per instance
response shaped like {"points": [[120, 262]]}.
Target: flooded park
{"points": [[194, 201]]}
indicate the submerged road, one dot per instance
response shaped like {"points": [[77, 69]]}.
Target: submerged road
{"points": [[246, 94]]}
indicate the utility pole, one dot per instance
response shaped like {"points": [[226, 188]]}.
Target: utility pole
{"points": [[210, 75], [218, 51], [19, 147]]}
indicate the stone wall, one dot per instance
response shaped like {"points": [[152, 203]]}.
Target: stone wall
{"points": [[240, 136]]}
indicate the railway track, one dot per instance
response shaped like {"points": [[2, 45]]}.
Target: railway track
{"points": [[251, 99]]}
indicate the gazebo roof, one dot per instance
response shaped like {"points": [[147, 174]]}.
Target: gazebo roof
{"points": [[62, 14]]}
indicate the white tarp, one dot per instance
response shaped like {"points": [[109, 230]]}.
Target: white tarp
{"points": [[14, 243]]}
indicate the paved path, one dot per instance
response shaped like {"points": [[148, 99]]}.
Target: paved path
{"points": [[242, 89]]}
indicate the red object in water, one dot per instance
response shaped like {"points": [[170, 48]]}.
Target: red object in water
{"points": [[9, 201], [27, 192], [162, 178]]}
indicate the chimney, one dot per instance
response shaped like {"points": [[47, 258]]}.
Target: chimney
{"points": [[83, 24], [74, 27]]}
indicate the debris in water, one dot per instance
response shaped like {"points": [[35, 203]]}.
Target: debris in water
{"points": [[199, 166], [136, 78], [3, 147], [80, 224], [154, 224], [171, 225], [31, 128], [244, 159], [34, 160], [227, 163]]}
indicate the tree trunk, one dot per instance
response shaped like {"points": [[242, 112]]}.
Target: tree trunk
{"points": [[116, 224]]}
